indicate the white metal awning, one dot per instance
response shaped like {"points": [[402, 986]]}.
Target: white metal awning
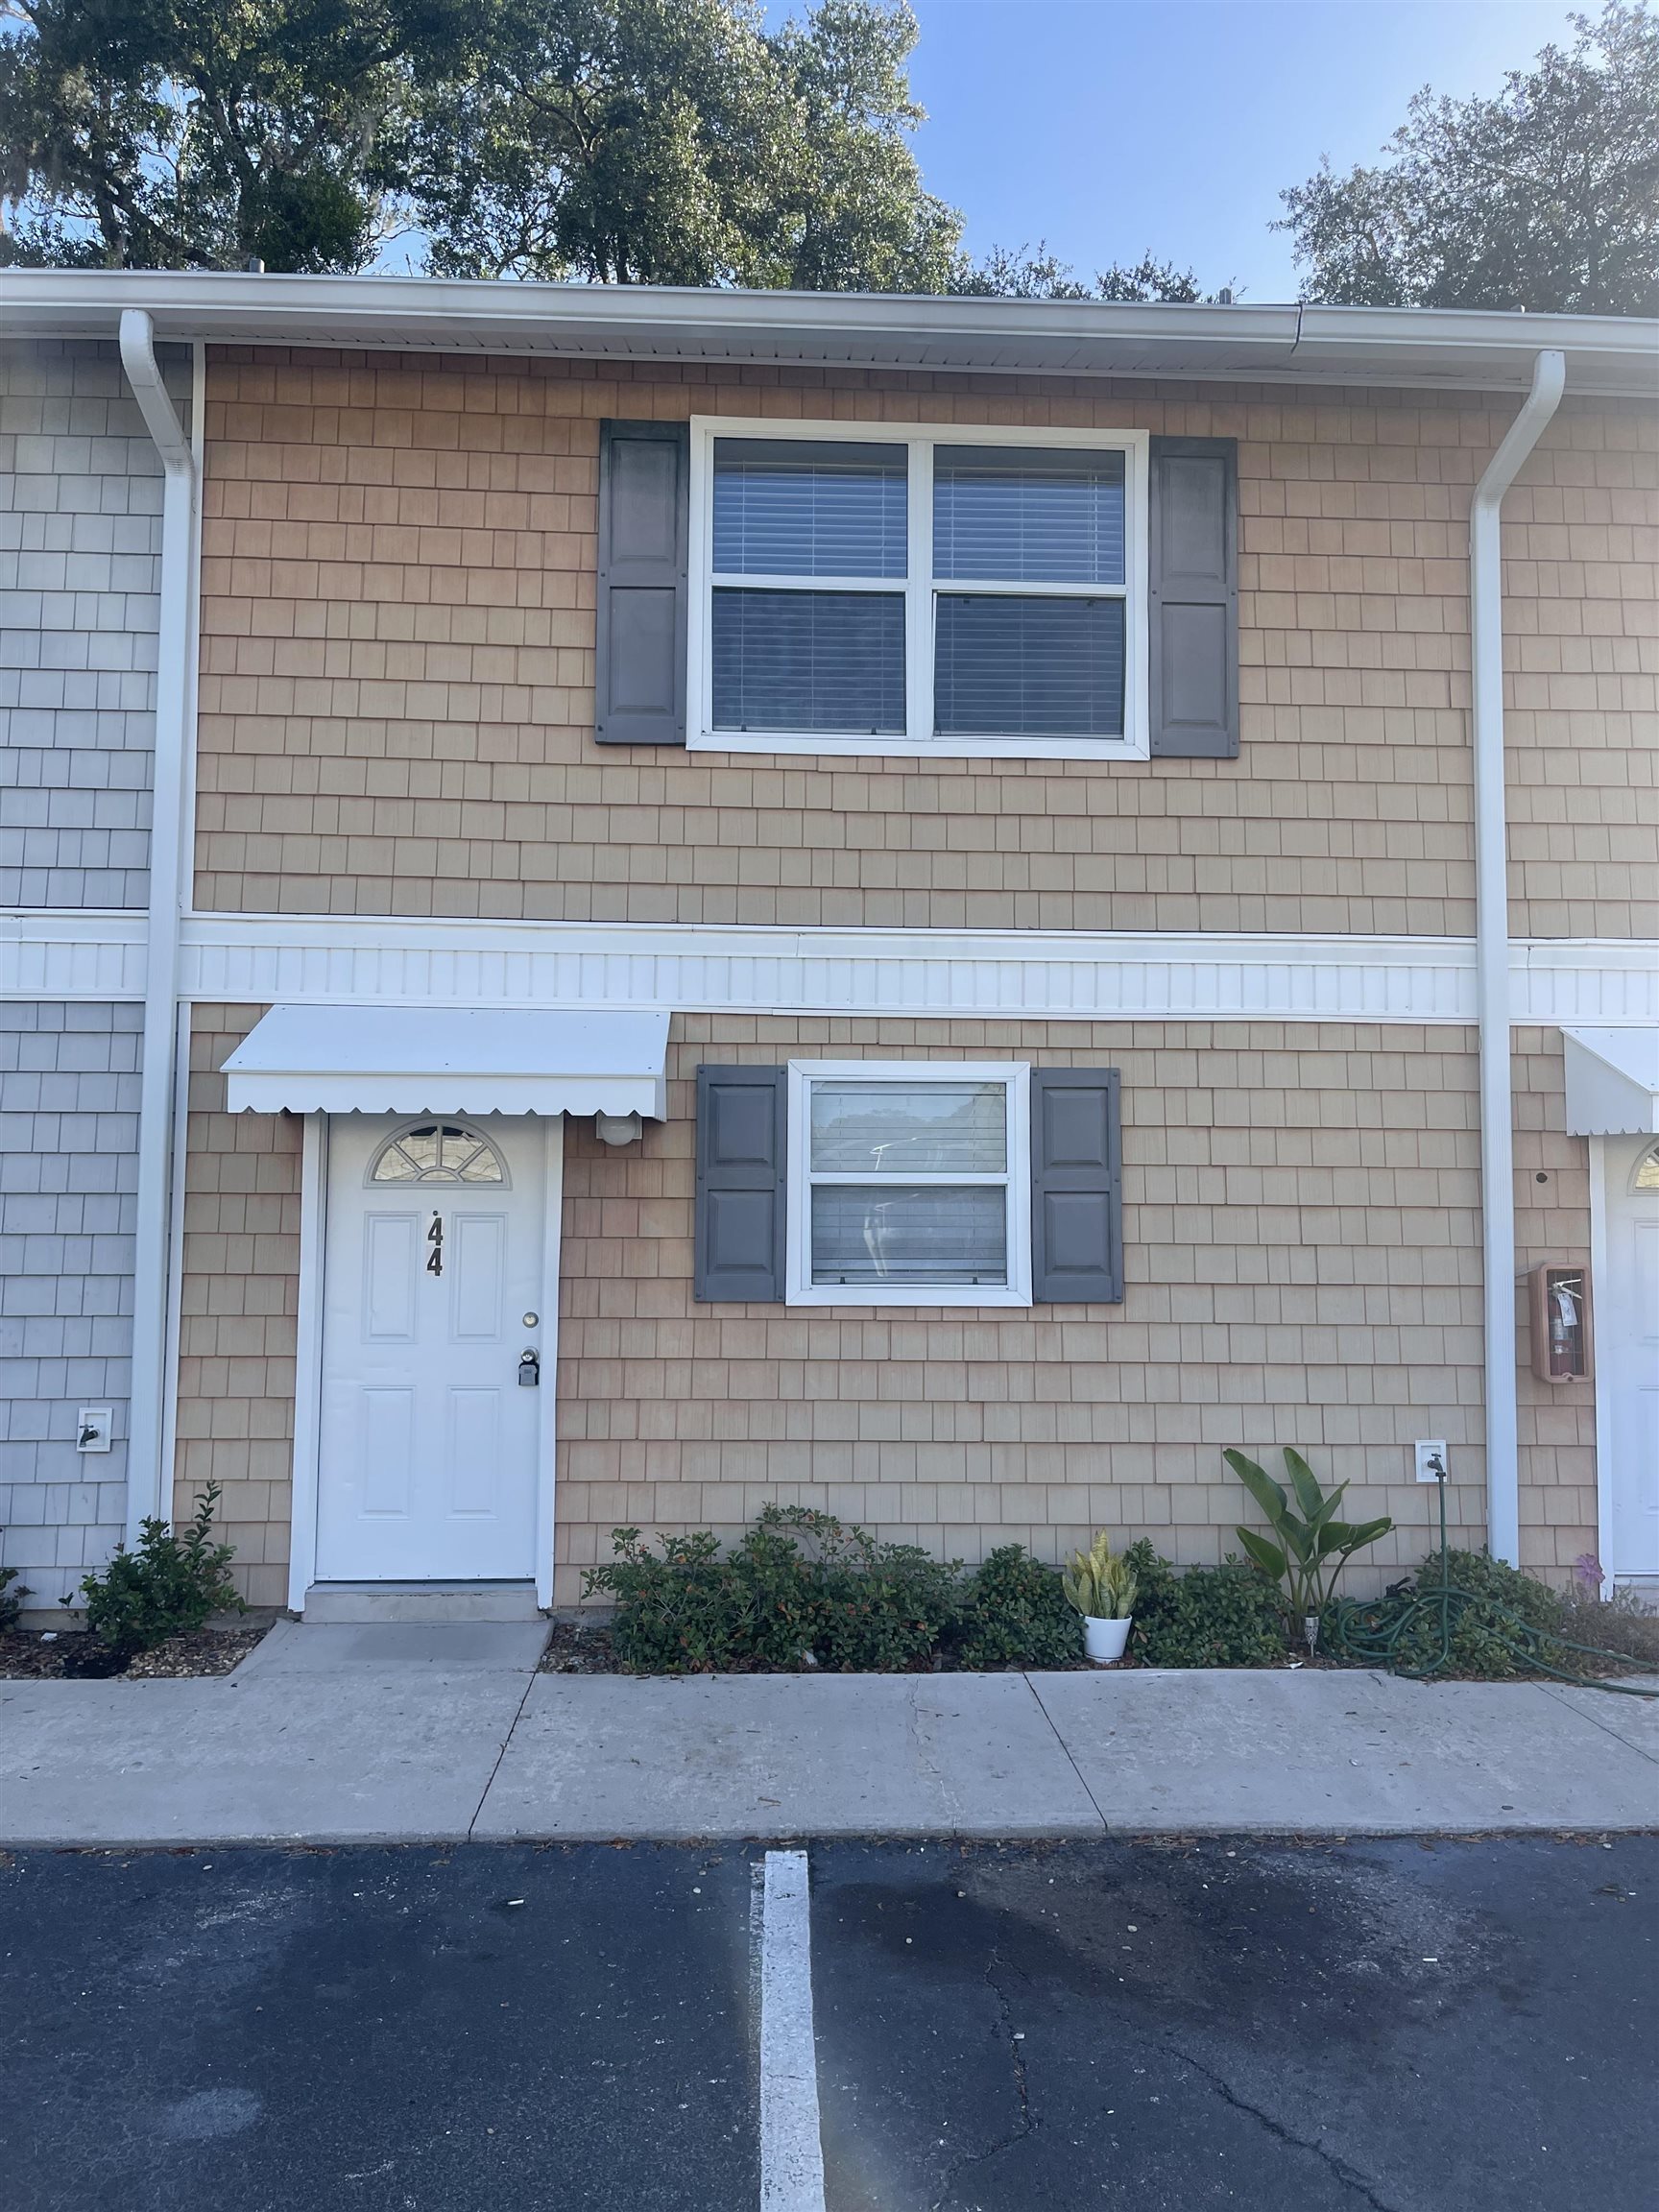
{"points": [[449, 1060], [1611, 1082]]}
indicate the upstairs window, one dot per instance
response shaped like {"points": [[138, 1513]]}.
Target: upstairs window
{"points": [[904, 592]]}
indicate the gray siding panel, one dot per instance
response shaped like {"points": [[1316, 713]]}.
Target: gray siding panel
{"points": [[80, 559], [69, 1079]]}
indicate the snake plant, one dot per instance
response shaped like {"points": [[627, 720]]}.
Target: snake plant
{"points": [[1100, 1583], [1312, 1545]]}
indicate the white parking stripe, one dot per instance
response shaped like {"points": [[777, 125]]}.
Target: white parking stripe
{"points": [[791, 2156]]}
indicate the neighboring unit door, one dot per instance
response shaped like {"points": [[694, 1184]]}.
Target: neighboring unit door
{"points": [[1627, 1357], [428, 1445]]}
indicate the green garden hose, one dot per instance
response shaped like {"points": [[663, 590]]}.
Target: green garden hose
{"points": [[1375, 1633]]}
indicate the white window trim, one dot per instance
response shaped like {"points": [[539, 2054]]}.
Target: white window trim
{"points": [[801, 1290], [919, 589]]}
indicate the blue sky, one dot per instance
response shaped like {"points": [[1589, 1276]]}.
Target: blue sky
{"points": [[1109, 127]]}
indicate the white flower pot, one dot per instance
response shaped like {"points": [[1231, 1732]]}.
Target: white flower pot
{"points": [[1104, 1640]]}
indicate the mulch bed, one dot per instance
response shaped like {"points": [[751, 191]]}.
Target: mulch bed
{"points": [[33, 1655], [584, 1646], [579, 1647]]}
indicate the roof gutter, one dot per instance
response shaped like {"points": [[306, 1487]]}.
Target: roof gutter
{"points": [[1409, 348], [1492, 951], [147, 1480]]}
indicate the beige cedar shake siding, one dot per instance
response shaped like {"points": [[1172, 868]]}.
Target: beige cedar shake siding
{"points": [[241, 1290], [398, 631], [1303, 1265]]}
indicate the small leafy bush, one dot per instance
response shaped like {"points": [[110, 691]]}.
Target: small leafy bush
{"points": [[1483, 1636], [1226, 1616], [880, 1607], [170, 1583], [802, 1587], [1014, 1612], [681, 1609], [10, 1601]]}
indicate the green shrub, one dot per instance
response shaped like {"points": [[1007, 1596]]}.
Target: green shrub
{"points": [[10, 1601], [1014, 1612], [881, 1608], [799, 1584], [1225, 1616], [170, 1583], [1483, 1638], [681, 1609]]}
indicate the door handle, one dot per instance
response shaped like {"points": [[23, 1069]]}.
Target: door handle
{"points": [[529, 1368]]}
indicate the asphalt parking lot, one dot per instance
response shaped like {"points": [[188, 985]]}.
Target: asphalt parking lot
{"points": [[1415, 2027]]}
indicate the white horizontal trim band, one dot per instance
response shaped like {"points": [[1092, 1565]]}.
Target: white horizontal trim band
{"points": [[1035, 974], [76, 954]]}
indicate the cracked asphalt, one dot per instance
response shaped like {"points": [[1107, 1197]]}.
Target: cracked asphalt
{"points": [[1406, 2026], [1410, 2027]]}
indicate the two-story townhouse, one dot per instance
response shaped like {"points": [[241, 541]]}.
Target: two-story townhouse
{"points": [[932, 908]]}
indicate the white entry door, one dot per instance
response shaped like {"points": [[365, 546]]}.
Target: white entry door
{"points": [[1627, 1326], [429, 1444]]}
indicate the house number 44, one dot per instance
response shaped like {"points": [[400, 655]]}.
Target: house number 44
{"points": [[435, 1238]]}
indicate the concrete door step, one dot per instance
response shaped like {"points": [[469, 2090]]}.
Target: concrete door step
{"points": [[421, 1601]]}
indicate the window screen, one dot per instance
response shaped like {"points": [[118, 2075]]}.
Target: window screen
{"points": [[1029, 517], [809, 509], [909, 1182], [1021, 667], [812, 657], [828, 660], [898, 1233]]}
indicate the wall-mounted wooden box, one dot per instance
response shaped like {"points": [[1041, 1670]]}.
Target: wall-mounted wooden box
{"points": [[1560, 1312]]}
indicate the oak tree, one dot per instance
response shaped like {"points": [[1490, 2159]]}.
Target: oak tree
{"points": [[1544, 197]]}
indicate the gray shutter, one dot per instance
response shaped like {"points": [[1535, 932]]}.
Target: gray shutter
{"points": [[742, 1123], [1076, 1186], [644, 519], [1195, 548]]}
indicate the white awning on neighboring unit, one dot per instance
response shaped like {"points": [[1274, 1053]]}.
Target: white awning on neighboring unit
{"points": [[1611, 1082], [449, 1060]]}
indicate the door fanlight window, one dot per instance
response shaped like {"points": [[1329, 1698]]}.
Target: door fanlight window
{"points": [[1647, 1175], [438, 1152]]}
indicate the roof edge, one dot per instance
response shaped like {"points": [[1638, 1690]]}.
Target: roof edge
{"points": [[1607, 355]]}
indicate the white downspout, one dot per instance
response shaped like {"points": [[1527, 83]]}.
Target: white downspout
{"points": [[1492, 952], [146, 1483]]}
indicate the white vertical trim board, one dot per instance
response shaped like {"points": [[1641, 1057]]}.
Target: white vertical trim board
{"points": [[791, 2148], [547, 1338], [1604, 1393], [308, 1358], [175, 1325]]}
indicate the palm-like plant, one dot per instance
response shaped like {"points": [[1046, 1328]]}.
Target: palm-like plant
{"points": [[1312, 1545]]}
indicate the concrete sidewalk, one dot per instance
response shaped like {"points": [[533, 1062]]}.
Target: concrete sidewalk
{"points": [[332, 1735]]}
